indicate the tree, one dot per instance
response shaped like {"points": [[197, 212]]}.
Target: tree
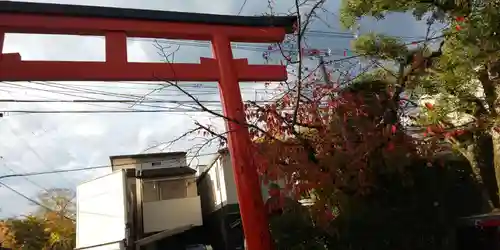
{"points": [[343, 145], [51, 227], [27, 233], [62, 231], [461, 77], [59, 216], [371, 184], [58, 200]]}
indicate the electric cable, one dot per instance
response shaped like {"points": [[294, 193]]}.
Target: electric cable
{"points": [[86, 168], [106, 101], [65, 171], [34, 152], [33, 200], [52, 172]]}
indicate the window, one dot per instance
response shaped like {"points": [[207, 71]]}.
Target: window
{"points": [[165, 190], [156, 163], [174, 189]]}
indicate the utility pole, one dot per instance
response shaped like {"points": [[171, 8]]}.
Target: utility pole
{"points": [[323, 70]]}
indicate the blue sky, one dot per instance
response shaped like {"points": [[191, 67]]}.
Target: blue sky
{"points": [[43, 142]]}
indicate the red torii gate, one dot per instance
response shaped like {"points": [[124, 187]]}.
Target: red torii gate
{"points": [[116, 24]]}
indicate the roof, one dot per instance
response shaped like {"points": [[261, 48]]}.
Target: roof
{"points": [[66, 10], [144, 156], [161, 172]]}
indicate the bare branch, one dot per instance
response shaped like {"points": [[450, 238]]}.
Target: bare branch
{"points": [[171, 142], [205, 109], [210, 131]]}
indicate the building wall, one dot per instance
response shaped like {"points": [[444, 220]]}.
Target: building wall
{"points": [[163, 188], [230, 184], [170, 203], [101, 212], [232, 195], [217, 187], [171, 214], [167, 202], [218, 194], [149, 162], [212, 188]]}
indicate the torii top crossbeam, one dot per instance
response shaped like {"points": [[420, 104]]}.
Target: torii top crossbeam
{"points": [[118, 23]]}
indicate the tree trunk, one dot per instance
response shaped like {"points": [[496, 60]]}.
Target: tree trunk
{"points": [[488, 142], [483, 165], [496, 157]]}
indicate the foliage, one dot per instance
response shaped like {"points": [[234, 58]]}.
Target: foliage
{"points": [[374, 184], [50, 228], [28, 233], [382, 46], [294, 230], [371, 185], [460, 83], [57, 199], [339, 140], [352, 10], [346, 145], [419, 213], [62, 231], [346, 139]]}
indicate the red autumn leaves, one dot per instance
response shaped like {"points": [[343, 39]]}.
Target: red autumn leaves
{"points": [[340, 131], [429, 106], [459, 19], [438, 129]]}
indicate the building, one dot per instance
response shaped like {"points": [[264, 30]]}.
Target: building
{"points": [[149, 201], [219, 202]]}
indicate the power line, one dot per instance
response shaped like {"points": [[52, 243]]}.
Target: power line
{"points": [[242, 6], [86, 168], [144, 84], [52, 172], [163, 88], [156, 111], [83, 90], [250, 46], [37, 155], [97, 105], [91, 92], [164, 93], [108, 101], [64, 171], [171, 110], [27, 179], [5, 165], [32, 200], [103, 111], [137, 102]]}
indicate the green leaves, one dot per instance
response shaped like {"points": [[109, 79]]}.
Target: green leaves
{"points": [[380, 47], [29, 232], [462, 81], [351, 10]]}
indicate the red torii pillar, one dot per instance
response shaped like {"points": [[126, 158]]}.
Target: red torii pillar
{"points": [[116, 25]]}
